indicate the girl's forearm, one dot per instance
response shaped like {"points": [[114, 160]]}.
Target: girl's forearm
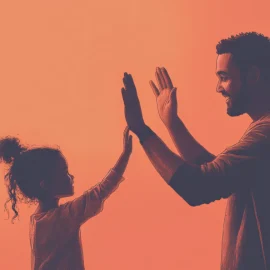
{"points": [[121, 164]]}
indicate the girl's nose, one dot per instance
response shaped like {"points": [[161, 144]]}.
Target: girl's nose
{"points": [[71, 177]]}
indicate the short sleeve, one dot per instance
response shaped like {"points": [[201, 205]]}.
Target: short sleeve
{"points": [[234, 169], [91, 202]]}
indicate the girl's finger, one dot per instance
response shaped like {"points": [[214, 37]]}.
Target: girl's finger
{"points": [[130, 143], [126, 134]]}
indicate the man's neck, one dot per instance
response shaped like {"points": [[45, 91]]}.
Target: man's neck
{"points": [[259, 107], [257, 113]]}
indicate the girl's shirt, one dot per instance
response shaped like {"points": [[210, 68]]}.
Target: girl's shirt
{"points": [[55, 235]]}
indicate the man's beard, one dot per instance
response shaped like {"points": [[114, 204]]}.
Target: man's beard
{"points": [[237, 105]]}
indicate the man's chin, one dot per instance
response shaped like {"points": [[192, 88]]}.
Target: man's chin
{"points": [[237, 106], [233, 112]]}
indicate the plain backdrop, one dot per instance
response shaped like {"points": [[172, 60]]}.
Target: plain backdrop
{"points": [[61, 69]]}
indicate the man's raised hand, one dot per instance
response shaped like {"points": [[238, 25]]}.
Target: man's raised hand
{"points": [[133, 112], [165, 95]]}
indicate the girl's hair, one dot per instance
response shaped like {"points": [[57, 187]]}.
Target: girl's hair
{"points": [[27, 168]]}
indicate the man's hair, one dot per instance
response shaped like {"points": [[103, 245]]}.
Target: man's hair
{"points": [[248, 49]]}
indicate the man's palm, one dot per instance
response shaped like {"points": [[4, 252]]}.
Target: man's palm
{"points": [[165, 96], [166, 108], [133, 112]]}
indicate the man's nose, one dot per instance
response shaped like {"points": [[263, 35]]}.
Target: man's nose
{"points": [[219, 89]]}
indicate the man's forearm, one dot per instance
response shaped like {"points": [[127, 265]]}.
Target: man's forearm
{"points": [[188, 180], [163, 159], [189, 149]]}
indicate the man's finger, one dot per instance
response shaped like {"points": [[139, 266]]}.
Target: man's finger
{"points": [[163, 83], [158, 81], [123, 91], [129, 83], [154, 88], [166, 78], [128, 97], [173, 98], [125, 81]]}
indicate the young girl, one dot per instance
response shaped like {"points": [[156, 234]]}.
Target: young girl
{"points": [[41, 174]]}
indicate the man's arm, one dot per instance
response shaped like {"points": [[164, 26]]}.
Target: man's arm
{"points": [[189, 149], [163, 159], [231, 171], [169, 166]]}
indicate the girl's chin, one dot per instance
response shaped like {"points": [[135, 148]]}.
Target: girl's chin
{"points": [[67, 194], [71, 193]]}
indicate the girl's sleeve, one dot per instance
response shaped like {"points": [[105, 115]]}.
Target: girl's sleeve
{"points": [[91, 202]]}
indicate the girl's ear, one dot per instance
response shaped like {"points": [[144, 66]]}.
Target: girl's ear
{"points": [[42, 185]]}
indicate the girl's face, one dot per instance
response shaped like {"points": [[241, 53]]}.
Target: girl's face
{"points": [[62, 181]]}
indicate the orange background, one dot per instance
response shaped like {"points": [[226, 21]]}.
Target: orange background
{"points": [[62, 64]]}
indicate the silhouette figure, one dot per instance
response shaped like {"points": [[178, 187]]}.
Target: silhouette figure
{"points": [[241, 172], [41, 175]]}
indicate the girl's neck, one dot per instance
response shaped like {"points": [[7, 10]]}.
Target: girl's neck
{"points": [[47, 204]]}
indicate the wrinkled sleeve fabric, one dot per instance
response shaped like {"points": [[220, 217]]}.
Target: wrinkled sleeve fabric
{"points": [[234, 169], [89, 204]]}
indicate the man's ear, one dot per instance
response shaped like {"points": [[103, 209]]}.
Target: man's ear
{"points": [[253, 75]]}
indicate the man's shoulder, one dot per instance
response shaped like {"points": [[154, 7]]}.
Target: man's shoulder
{"points": [[260, 128], [264, 120], [255, 139]]}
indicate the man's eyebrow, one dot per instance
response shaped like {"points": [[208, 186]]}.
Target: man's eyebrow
{"points": [[222, 73]]}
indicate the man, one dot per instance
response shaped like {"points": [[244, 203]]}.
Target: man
{"points": [[241, 173]]}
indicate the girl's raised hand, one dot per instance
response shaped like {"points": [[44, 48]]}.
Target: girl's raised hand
{"points": [[127, 141]]}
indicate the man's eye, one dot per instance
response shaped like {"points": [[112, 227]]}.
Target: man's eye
{"points": [[223, 79]]}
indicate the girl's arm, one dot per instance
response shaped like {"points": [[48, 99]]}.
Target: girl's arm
{"points": [[91, 202]]}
